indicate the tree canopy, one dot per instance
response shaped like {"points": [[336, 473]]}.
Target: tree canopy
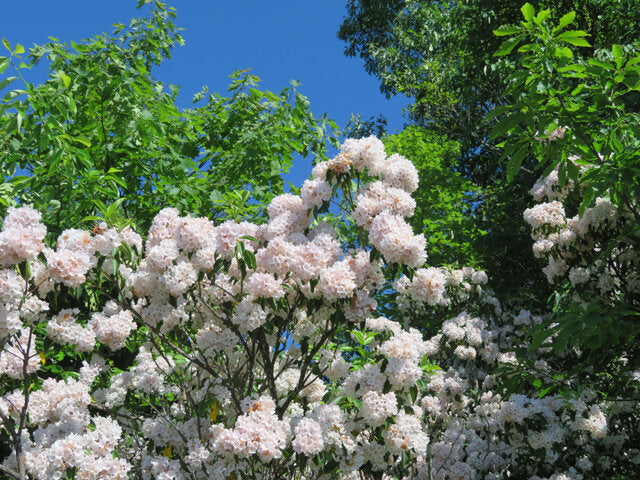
{"points": [[102, 132]]}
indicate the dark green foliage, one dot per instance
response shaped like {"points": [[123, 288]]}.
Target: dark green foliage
{"points": [[441, 56], [594, 98], [440, 53]]}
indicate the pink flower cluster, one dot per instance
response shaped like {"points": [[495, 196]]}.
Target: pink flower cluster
{"points": [[257, 432], [252, 348]]}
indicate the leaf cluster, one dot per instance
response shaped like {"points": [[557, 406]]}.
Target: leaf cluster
{"points": [[579, 114], [102, 129]]}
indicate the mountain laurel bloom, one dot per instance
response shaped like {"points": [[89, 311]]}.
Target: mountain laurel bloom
{"points": [[337, 281], [365, 153], [112, 326], [258, 431], [20, 356], [68, 266], [394, 238], [22, 235], [428, 285], [551, 214], [376, 408], [264, 285], [308, 437], [315, 192], [406, 433], [400, 173], [193, 356]]}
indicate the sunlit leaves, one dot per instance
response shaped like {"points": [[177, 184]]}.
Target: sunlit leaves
{"points": [[508, 45], [528, 12], [103, 128], [565, 20]]}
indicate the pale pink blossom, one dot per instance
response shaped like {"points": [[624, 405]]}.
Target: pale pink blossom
{"points": [[308, 437], [400, 173], [394, 238], [337, 281]]}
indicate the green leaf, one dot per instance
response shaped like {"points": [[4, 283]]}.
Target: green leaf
{"points": [[110, 212], [577, 90], [13, 93], [65, 79], [573, 33], [6, 44], [508, 45], [632, 79], [413, 390], [19, 49], [574, 37], [563, 52], [618, 55], [249, 237], [508, 123], [528, 11], [515, 162], [577, 41], [497, 111], [542, 16], [6, 82], [249, 257], [573, 171], [617, 51], [83, 140], [507, 30], [633, 61], [565, 20], [598, 63]]}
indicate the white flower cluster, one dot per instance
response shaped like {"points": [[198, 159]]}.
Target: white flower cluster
{"points": [[20, 356], [64, 329], [308, 437], [238, 358], [22, 236], [573, 246], [66, 436], [377, 408], [257, 432]]}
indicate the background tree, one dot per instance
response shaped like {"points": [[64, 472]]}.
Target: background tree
{"points": [[440, 56], [445, 199], [590, 152], [102, 129]]}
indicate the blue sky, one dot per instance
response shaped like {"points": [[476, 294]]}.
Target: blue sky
{"points": [[279, 40]]}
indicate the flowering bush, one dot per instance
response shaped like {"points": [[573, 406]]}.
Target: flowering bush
{"points": [[245, 351], [577, 248], [574, 109]]}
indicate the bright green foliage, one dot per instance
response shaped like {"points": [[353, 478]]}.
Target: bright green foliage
{"points": [[102, 130], [445, 199]]}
